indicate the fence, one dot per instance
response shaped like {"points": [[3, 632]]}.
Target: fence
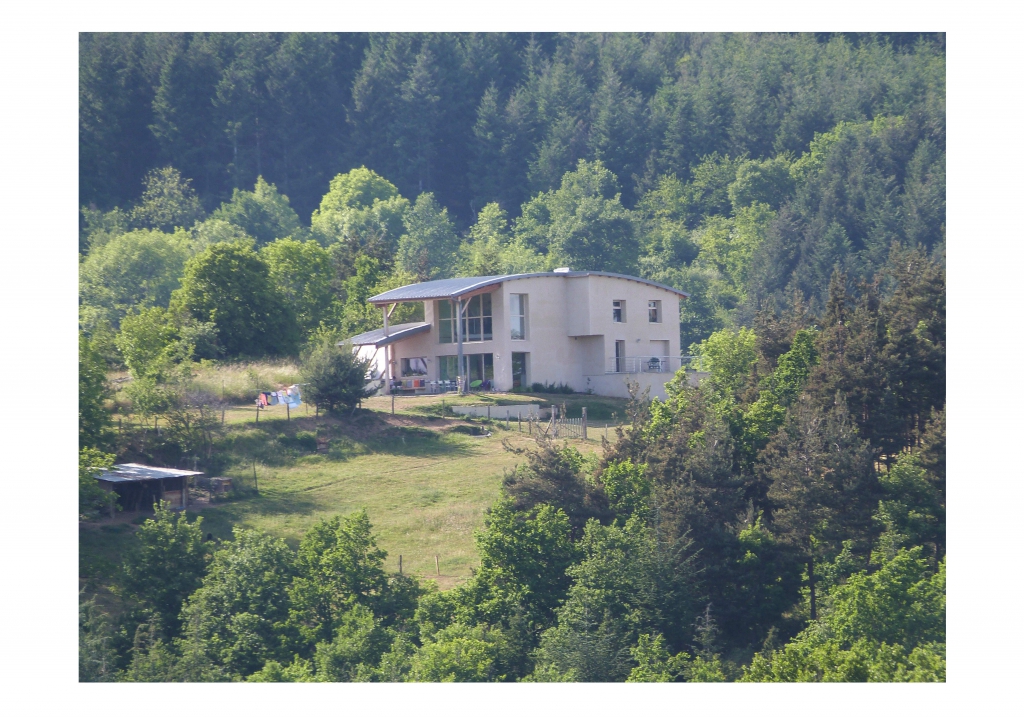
{"points": [[563, 427]]}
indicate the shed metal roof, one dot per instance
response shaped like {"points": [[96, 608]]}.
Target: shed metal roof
{"points": [[133, 472], [397, 332], [454, 288]]}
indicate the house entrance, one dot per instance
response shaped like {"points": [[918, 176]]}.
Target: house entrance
{"points": [[519, 370]]}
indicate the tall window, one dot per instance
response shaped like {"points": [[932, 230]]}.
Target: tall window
{"points": [[519, 370], [445, 322], [476, 320], [619, 312], [654, 312], [517, 316]]}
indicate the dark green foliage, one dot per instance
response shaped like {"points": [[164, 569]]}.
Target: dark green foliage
{"points": [[229, 285], [236, 612], [165, 566], [334, 377], [263, 213], [552, 476], [93, 416]]}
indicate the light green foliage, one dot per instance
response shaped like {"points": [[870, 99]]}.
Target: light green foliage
{"points": [[93, 392], [302, 271], [704, 669], [263, 213], [523, 562], [133, 271], [242, 599], [429, 245], [913, 510], [230, 286], [363, 210], [335, 377], [92, 499], [582, 224], [729, 245], [339, 565], [886, 626], [168, 202], [144, 337], [766, 182], [627, 488], [459, 653], [359, 640], [654, 663], [214, 231], [490, 249], [727, 355], [813, 160], [165, 565], [298, 670], [779, 389], [665, 236]]}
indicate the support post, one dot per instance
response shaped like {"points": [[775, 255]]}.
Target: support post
{"points": [[458, 334], [399, 563], [437, 565], [288, 411], [584, 423]]}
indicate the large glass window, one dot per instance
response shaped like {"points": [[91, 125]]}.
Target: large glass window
{"points": [[414, 367], [447, 368], [479, 367], [517, 316], [476, 320]]}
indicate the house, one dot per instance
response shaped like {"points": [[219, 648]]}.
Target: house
{"points": [[590, 330], [138, 486]]}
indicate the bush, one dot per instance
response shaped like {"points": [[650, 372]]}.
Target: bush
{"points": [[335, 378], [552, 388]]}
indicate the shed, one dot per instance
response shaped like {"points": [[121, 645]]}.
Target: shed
{"points": [[139, 486]]}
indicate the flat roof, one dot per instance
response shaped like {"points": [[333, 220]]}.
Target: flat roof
{"points": [[132, 472], [395, 333], [454, 288]]}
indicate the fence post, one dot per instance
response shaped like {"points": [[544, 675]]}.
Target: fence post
{"points": [[584, 423], [520, 422], [399, 563], [437, 566], [554, 421]]}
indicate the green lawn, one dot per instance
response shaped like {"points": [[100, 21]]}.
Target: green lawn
{"points": [[425, 486]]}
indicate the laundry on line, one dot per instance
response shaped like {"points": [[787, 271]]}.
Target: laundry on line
{"points": [[290, 396]]}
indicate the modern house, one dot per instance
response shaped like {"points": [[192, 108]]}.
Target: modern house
{"points": [[590, 330]]}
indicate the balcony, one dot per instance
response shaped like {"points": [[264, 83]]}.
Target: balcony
{"points": [[646, 364]]}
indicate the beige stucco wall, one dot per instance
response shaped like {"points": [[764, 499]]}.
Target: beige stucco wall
{"points": [[570, 333]]}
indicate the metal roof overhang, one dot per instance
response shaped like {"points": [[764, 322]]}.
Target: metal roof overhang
{"points": [[134, 472], [465, 287], [398, 332]]}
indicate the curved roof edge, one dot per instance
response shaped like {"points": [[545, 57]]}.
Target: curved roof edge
{"points": [[454, 288]]}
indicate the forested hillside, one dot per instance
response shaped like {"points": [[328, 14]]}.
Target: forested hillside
{"points": [[243, 194]]}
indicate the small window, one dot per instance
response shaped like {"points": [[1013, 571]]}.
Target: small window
{"points": [[619, 312], [414, 367], [654, 312], [517, 316]]}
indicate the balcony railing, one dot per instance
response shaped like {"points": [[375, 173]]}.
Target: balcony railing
{"points": [[646, 364]]}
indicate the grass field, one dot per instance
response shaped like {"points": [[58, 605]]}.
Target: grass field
{"points": [[424, 485]]}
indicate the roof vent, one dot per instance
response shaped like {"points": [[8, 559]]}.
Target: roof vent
{"points": [[562, 270]]}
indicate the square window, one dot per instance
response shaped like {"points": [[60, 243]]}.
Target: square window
{"points": [[654, 312]]}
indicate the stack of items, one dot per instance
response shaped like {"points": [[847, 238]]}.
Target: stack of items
{"points": [[290, 396]]}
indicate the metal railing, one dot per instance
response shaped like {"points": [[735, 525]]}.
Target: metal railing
{"points": [[646, 364]]}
